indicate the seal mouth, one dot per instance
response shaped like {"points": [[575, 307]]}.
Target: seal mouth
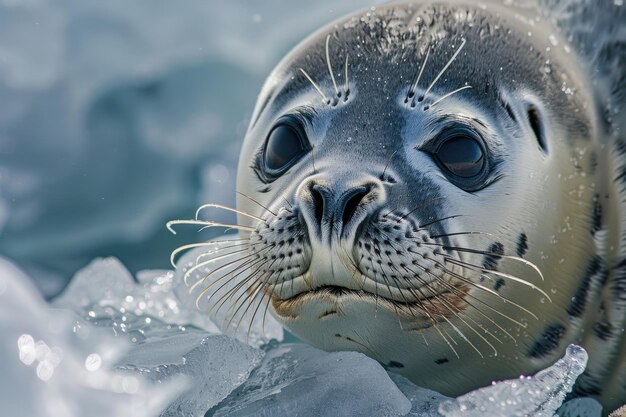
{"points": [[421, 309], [338, 292]]}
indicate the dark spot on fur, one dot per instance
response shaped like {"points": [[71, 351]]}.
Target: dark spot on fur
{"points": [[587, 386], [603, 329], [522, 244], [548, 341], [577, 305], [593, 162], [596, 217], [619, 284], [491, 260], [441, 361]]}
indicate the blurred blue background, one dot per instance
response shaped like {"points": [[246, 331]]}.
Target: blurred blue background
{"points": [[118, 115]]}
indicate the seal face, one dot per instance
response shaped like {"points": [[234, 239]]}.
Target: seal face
{"points": [[421, 183]]}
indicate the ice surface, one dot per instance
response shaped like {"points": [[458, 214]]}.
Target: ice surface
{"points": [[106, 294], [54, 364], [539, 395], [214, 365], [299, 380], [425, 402]]}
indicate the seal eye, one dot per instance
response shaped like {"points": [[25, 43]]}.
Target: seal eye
{"points": [[461, 154], [285, 144]]}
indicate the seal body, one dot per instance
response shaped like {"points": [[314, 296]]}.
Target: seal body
{"points": [[440, 185]]}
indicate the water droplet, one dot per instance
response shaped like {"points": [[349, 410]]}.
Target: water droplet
{"points": [[93, 362]]}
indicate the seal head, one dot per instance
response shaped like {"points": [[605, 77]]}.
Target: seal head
{"points": [[418, 183]]}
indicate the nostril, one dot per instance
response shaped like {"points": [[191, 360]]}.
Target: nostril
{"points": [[352, 203], [318, 203]]}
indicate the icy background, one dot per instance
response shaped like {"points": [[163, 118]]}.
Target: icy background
{"points": [[117, 116], [120, 115]]}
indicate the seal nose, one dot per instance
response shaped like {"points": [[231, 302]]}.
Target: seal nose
{"points": [[334, 209]]}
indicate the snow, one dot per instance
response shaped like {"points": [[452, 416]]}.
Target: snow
{"points": [[114, 345]]}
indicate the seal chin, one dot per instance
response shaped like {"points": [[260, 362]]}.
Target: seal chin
{"points": [[414, 305]]}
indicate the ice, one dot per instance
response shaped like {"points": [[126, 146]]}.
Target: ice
{"points": [[214, 365], [296, 379], [425, 402], [54, 364], [106, 294], [539, 395], [580, 407]]}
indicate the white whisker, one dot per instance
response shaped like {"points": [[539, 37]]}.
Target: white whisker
{"points": [[317, 88], [330, 67], [419, 76], [346, 87], [443, 70], [206, 224], [449, 94], [210, 205]]}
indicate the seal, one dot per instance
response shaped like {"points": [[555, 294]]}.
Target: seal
{"points": [[441, 186]]}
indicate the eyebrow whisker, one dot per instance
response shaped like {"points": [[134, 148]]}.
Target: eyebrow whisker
{"points": [[465, 87], [443, 70], [330, 67], [317, 88]]}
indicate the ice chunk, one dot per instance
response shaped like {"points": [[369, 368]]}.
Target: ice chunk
{"points": [[105, 294], [539, 395], [53, 364], [580, 407], [245, 317], [425, 402], [296, 379], [213, 365]]}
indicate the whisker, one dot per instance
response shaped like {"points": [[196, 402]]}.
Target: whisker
{"points": [[258, 264], [218, 250], [314, 84], [346, 87], [443, 70], [474, 284], [206, 224], [461, 234], [459, 293], [220, 268], [465, 87], [256, 202], [213, 205], [421, 226], [500, 274], [389, 161], [246, 267], [199, 245], [330, 68], [208, 262], [480, 252], [411, 92]]}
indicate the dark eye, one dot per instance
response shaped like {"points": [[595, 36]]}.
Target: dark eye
{"points": [[461, 154], [285, 144]]}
